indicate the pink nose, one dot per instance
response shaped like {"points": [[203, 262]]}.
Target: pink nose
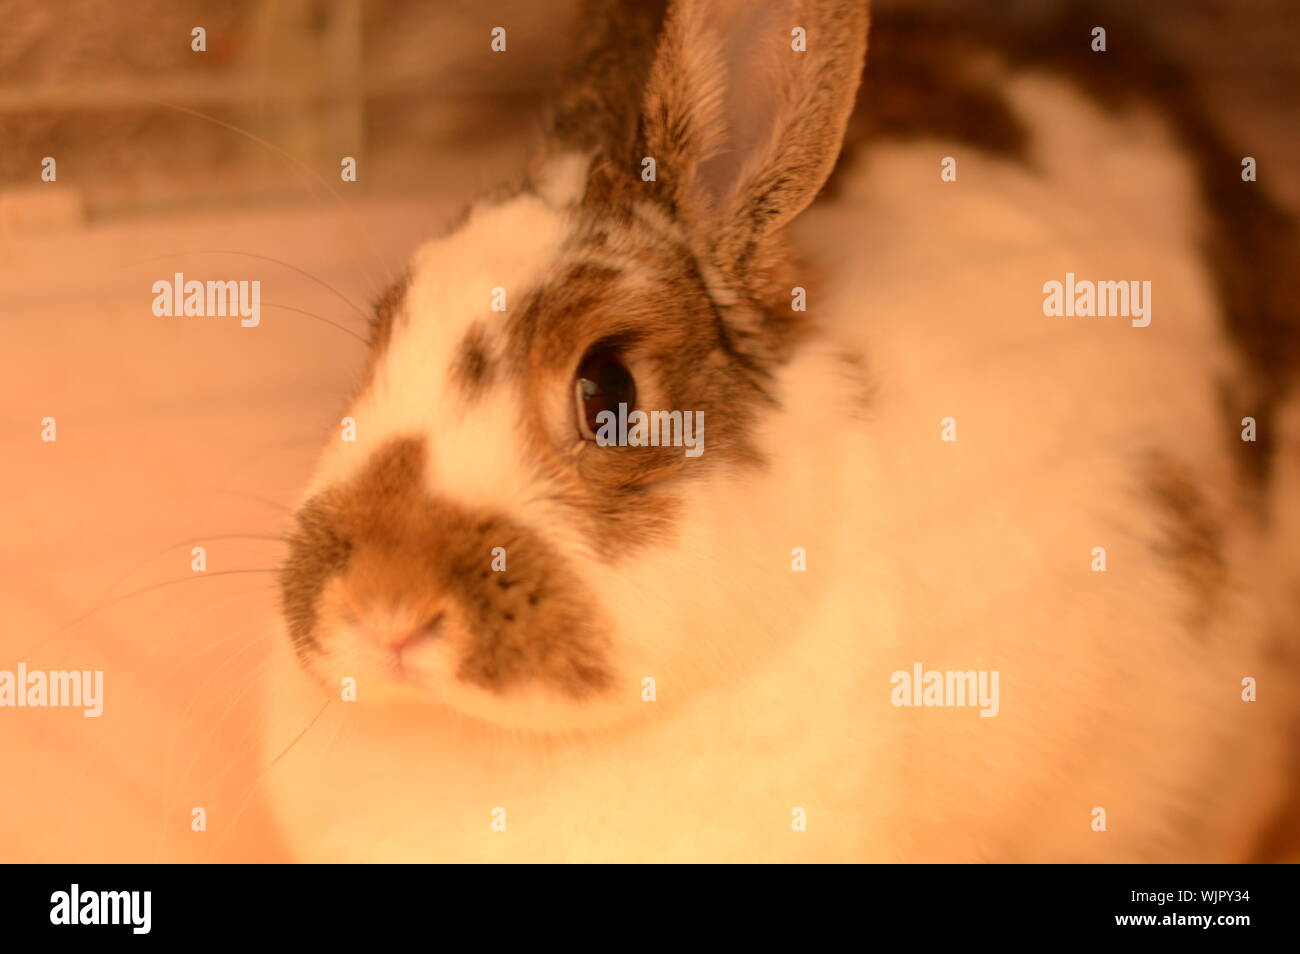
{"points": [[397, 637]]}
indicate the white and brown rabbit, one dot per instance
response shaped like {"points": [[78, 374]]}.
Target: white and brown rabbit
{"points": [[509, 639]]}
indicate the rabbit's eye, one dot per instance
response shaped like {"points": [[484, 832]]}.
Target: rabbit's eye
{"points": [[602, 383]]}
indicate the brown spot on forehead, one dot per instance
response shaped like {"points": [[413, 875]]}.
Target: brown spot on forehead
{"points": [[472, 368], [533, 623], [1191, 534]]}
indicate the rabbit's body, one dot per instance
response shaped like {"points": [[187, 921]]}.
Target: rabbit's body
{"points": [[840, 537]]}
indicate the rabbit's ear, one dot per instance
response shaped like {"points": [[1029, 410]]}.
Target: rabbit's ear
{"points": [[745, 110]]}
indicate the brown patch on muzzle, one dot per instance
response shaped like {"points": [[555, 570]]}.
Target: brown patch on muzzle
{"points": [[532, 621]]}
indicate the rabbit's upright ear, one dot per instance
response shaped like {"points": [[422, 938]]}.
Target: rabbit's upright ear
{"points": [[745, 110]]}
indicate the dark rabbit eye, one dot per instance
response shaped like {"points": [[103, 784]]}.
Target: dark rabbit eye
{"points": [[602, 383]]}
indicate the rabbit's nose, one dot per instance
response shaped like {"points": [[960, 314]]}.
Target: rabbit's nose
{"points": [[395, 627], [397, 636]]}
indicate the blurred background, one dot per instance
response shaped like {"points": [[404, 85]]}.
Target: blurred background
{"points": [[171, 434], [409, 88]]}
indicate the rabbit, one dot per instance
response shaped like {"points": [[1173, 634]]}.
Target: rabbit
{"points": [[507, 640]]}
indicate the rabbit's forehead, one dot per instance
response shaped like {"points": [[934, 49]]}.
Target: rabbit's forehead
{"points": [[464, 287], [439, 373]]}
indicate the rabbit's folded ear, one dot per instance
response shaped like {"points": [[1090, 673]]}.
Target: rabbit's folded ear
{"points": [[745, 110]]}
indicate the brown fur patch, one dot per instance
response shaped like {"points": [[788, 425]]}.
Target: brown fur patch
{"points": [[928, 77], [656, 312], [861, 386], [316, 552], [385, 313], [383, 316], [1191, 538], [601, 93], [529, 624], [473, 367]]}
